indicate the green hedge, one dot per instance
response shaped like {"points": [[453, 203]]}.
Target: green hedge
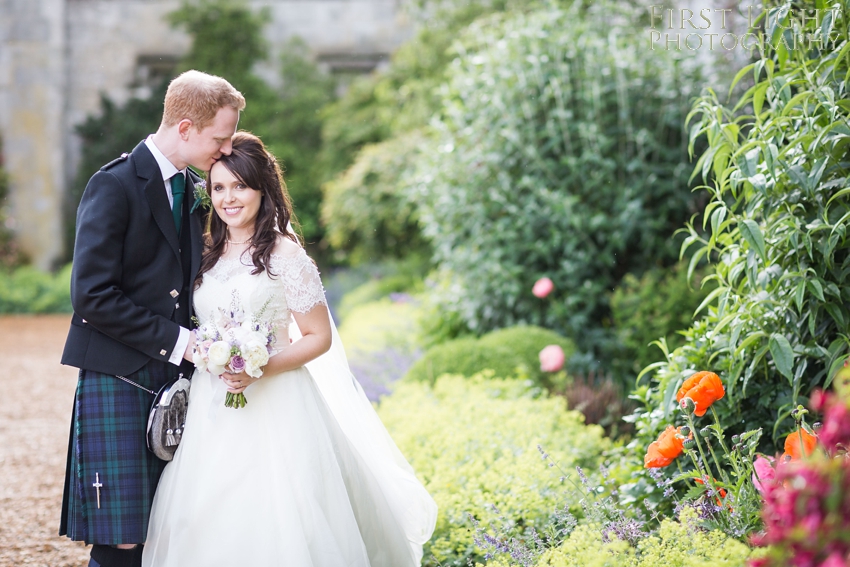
{"points": [[28, 290], [504, 351], [473, 442]]}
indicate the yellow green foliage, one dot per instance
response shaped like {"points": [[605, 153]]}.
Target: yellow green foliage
{"points": [[473, 441], [676, 544]]}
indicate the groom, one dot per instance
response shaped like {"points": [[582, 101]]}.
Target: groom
{"points": [[137, 251]]}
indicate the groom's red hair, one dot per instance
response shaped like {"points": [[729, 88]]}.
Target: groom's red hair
{"points": [[198, 97]]}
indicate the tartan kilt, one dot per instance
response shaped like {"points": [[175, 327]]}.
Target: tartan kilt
{"points": [[107, 443]]}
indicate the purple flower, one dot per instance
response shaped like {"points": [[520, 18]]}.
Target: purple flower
{"points": [[237, 364]]}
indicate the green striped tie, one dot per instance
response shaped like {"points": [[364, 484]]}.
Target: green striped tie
{"points": [[178, 190]]}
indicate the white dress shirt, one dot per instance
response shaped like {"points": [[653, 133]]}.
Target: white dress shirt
{"points": [[168, 171]]}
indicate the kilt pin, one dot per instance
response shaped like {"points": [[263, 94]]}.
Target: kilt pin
{"points": [[132, 273]]}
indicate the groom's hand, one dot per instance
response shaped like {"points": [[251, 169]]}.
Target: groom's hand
{"points": [[190, 348]]}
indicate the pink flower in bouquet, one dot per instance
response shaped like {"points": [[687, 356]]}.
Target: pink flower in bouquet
{"points": [[542, 287], [551, 358], [765, 473]]}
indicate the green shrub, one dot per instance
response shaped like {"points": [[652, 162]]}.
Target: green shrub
{"points": [[658, 305], [560, 152], [474, 442], [365, 210], [28, 290], [676, 544], [504, 351], [776, 170]]}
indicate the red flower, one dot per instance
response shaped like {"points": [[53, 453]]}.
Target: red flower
{"points": [[797, 448], [704, 388], [664, 450], [721, 491]]}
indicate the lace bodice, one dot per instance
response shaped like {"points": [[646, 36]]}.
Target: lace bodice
{"points": [[293, 285]]}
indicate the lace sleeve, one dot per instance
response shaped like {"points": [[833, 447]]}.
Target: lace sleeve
{"points": [[299, 276]]}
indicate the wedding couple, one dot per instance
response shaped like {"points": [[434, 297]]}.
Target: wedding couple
{"points": [[304, 475]]}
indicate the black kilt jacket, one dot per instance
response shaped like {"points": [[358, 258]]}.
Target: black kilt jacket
{"points": [[131, 289]]}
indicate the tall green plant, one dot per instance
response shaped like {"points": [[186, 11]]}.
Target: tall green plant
{"points": [[776, 169], [560, 153]]}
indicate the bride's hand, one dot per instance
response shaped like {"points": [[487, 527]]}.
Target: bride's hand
{"points": [[236, 383]]}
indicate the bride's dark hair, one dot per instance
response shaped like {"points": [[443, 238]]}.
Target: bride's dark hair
{"points": [[257, 168]]}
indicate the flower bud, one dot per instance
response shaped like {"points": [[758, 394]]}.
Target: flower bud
{"points": [[684, 431], [688, 405], [705, 431], [736, 438], [689, 444], [817, 426]]}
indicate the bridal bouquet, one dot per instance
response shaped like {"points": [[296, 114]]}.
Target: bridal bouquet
{"points": [[232, 343]]}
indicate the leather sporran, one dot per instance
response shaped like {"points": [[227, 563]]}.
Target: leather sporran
{"points": [[167, 418]]}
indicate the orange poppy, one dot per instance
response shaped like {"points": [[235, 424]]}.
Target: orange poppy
{"points": [[721, 491], [796, 449], [665, 449], [704, 388]]}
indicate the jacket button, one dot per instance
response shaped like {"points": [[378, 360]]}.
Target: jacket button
{"points": [[176, 306], [174, 293], [162, 352]]}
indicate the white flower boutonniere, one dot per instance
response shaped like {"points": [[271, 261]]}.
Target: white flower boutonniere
{"points": [[202, 198]]}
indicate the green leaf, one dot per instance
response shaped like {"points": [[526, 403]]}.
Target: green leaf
{"points": [[799, 294], [758, 97], [816, 288], [783, 355], [752, 234]]}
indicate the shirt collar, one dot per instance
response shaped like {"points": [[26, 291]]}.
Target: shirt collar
{"points": [[165, 167]]}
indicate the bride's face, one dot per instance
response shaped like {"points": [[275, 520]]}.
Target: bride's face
{"points": [[234, 202]]}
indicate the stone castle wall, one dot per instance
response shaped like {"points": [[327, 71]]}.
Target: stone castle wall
{"points": [[58, 56]]}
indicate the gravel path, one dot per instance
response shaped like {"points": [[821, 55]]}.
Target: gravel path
{"points": [[35, 415]]}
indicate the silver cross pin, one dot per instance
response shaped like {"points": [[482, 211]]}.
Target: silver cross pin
{"points": [[97, 484]]}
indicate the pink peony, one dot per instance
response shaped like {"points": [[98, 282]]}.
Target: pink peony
{"points": [[765, 473], [542, 287], [551, 358]]}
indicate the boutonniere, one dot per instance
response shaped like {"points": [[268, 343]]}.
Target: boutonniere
{"points": [[202, 198]]}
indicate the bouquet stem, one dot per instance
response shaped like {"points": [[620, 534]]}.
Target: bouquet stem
{"points": [[235, 401]]}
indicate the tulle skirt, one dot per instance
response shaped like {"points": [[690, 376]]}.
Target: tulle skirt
{"points": [[277, 482]]}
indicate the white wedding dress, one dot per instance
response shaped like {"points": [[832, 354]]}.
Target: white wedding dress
{"points": [[305, 475]]}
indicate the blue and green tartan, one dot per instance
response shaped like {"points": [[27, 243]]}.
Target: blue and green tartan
{"points": [[108, 441]]}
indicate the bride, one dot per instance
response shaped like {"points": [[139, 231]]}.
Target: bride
{"points": [[304, 475]]}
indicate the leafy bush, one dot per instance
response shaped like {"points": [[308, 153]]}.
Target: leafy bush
{"points": [[777, 174], [28, 290], [503, 351], [658, 305], [364, 209], [676, 544], [473, 442], [561, 153]]}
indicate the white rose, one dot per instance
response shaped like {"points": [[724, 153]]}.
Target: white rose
{"points": [[256, 356], [219, 353], [199, 361]]}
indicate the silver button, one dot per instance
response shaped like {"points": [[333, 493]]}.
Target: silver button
{"points": [[174, 293], [176, 306], [84, 321], [162, 352]]}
